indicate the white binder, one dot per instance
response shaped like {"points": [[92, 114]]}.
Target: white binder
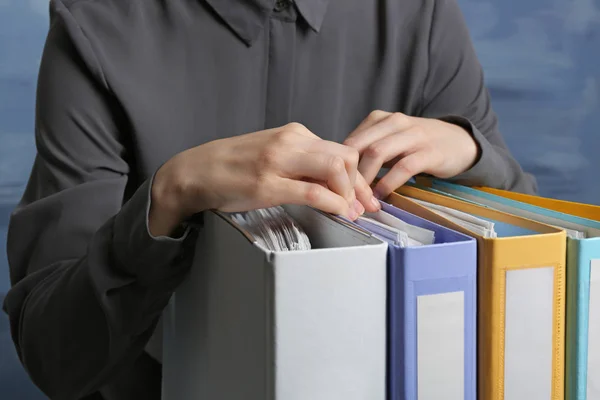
{"points": [[257, 325]]}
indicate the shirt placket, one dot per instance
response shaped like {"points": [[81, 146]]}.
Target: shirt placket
{"points": [[281, 64]]}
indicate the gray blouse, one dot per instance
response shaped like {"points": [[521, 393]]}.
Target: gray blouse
{"points": [[126, 84]]}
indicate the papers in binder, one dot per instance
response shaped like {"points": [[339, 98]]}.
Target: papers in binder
{"points": [[575, 227], [274, 229], [573, 234], [478, 225], [394, 230], [420, 236]]}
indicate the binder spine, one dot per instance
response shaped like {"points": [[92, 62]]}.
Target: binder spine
{"points": [[591, 379], [270, 337], [490, 355], [558, 373], [397, 328], [574, 361], [435, 280], [582, 256], [508, 290]]}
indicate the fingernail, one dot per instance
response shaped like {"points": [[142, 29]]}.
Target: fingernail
{"points": [[353, 215], [376, 203], [359, 207]]}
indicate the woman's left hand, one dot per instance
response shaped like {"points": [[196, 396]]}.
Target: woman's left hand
{"points": [[410, 146]]}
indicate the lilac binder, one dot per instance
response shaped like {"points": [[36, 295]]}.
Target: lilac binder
{"points": [[432, 294]]}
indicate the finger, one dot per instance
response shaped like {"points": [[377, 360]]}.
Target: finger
{"points": [[348, 154], [401, 172], [373, 118], [386, 149], [314, 195], [320, 167], [358, 206], [393, 123], [364, 195]]}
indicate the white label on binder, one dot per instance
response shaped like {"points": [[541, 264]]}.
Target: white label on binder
{"points": [[593, 370], [528, 333], [440, 346]]}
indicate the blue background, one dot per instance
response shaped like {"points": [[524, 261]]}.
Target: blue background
{"points": [[542, 64]]}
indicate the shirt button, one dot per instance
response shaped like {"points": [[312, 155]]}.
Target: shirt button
{"points": [[281, 5]]}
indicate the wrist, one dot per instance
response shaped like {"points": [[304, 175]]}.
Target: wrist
{"points": [[472, 150], [472, 147], [166, 210]]}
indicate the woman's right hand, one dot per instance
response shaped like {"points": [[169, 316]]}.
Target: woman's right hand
{"points": [[286, 165]]}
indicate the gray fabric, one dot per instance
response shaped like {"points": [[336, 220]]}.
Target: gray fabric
{"points": [[126, 84]]}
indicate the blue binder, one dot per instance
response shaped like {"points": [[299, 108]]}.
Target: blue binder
{"points": [[432, 297]]}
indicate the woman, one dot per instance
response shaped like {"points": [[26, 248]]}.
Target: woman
{"points": [[144, 110]]}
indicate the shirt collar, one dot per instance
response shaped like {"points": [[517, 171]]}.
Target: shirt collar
{"points": [[248, 17], [313, 11]]}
